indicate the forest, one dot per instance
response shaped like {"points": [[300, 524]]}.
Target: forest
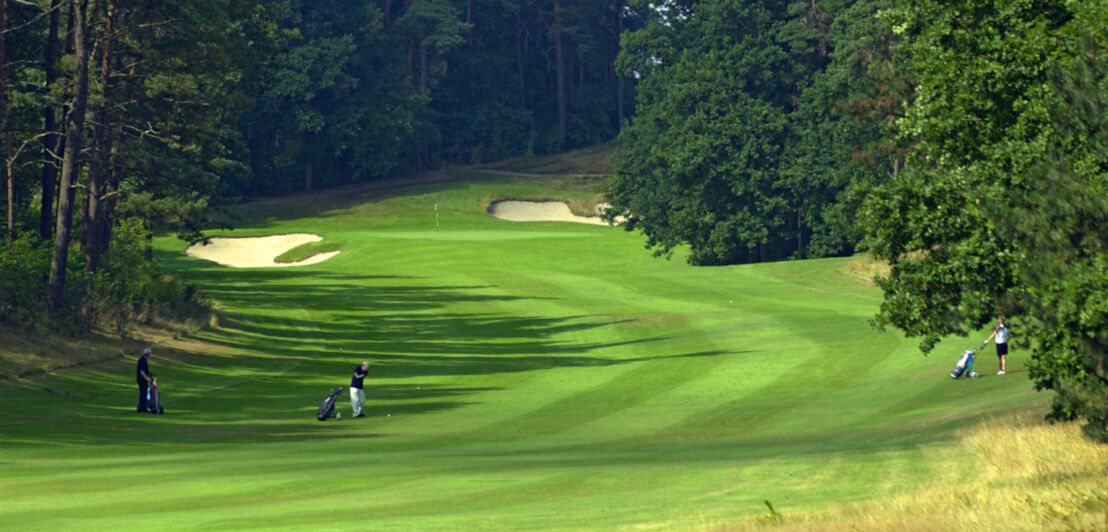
{"points": [[965, 145]]}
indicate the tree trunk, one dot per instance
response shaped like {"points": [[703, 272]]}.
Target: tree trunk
{"points": [[75, 123], [799, 236], [5, 121], [470, 54], [308, 177], [519, 62], [619, 78], [556, 34], [11, 191], [108, 205], [422, 66], [96, 216], [619, 100], [50, 128]]}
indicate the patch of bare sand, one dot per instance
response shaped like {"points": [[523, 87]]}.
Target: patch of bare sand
{"points": [[540, 211], [256, 252]]}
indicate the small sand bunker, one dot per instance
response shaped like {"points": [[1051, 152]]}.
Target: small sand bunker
{"points": [[540, 211], [256, 252]]}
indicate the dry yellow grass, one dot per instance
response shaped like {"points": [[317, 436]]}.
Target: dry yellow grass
{"points": [[24, 353], [1032, 475], [866, 268]]}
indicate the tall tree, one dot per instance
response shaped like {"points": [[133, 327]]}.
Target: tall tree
{"points": [[559, 71], [70, 164], [50, 139], [5, 104], [97, 220]]}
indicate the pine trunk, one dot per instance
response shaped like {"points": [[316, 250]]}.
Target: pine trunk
{"points": [[615, 54], [6, 108], [96, 216], [50, 141], [556, 33], [519, 62], [74, 125]]}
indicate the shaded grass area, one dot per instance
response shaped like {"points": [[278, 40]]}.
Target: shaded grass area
{"points": [[525, 376]]}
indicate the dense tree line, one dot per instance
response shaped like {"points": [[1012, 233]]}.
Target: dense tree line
{"points": [[760, 125], [117, 110]]}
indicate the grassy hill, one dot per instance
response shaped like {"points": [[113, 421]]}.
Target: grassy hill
{"points": [[542, 376]]}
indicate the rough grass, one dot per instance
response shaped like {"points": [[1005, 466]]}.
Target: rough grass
{"points": [[27, 354], [1028, 475], [594, 160], [866, 268]]}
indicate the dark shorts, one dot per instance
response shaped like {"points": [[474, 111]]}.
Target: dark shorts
{"points": [[1002, 349]]}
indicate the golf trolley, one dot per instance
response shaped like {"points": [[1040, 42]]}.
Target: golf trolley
{"points": [[328, 406], [153, 402], [964, 367]]}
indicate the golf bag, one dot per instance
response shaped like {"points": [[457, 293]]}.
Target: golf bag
{"points": [[328, 406], [152, 400], [964, 367]]}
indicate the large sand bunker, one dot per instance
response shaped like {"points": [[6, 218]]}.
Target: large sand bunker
{"points": [[256, 252], [539, 211]]}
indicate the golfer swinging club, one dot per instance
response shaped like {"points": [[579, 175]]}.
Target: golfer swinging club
{"points": [[357, 394]]}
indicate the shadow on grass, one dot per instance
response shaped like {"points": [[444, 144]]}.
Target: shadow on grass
{"points": [[281, 365], [400, 324]]}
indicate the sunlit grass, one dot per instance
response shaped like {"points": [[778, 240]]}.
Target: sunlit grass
{"points": [[545, 376], [1026, 474]]}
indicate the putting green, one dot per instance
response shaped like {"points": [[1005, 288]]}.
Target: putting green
{"points": [[525, 376]]}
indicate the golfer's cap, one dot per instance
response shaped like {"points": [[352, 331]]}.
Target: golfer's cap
{"points": [[146, 351], [365, 362]]}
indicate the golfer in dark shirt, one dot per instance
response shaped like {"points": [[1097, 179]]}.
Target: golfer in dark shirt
{"points": [[142, 376], [357, 394]]}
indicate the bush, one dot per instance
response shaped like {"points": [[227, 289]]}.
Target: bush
{"points": [[24, 272], [129, 288]]}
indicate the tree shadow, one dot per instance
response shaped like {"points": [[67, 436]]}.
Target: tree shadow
{"points": [[281, 364]]}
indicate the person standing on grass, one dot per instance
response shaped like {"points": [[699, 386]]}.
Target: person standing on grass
{"points": [[357, 394], [142, 376], [1001, 334]]}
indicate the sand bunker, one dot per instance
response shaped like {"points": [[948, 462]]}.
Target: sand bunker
{"points": [[256, 252], [540, 211]]}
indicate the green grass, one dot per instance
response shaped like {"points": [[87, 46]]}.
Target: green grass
{"points": [[526, 376], [306, 251]]}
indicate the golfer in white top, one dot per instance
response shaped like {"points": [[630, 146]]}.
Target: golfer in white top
{"points": [[1001, 334]]}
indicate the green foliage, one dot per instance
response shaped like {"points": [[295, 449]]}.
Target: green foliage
{"points": [[24, 266], [129, 289], [1001, 210], [748, 125], [132, 288]]}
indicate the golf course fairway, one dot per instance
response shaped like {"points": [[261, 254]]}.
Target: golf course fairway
{"points": [[549, 376]]}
